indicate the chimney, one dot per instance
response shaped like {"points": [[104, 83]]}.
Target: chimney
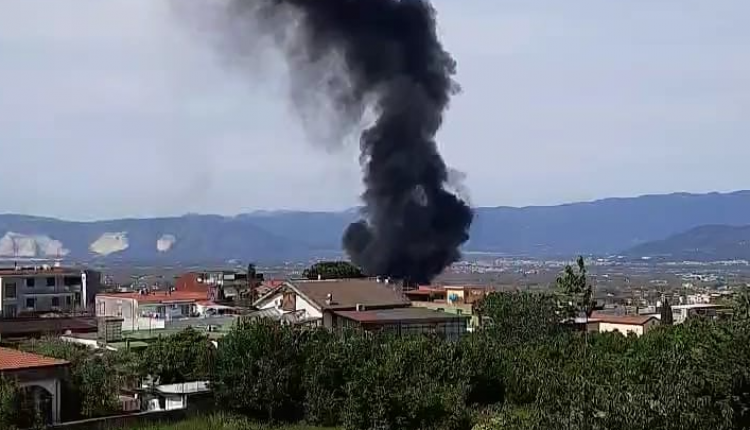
{"points": [[320, 277], [359, 307], [329, 299]]}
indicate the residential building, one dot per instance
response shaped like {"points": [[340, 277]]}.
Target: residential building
{"points": [[403, 321], [313, 301], [145, 310], [221, 284], [44, 289], [40, 377], [453, 299], [681, 313], [625, 324]]}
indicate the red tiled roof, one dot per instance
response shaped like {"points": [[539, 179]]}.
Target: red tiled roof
{"points": [[160, 296], [621, 319], [12, 359]]}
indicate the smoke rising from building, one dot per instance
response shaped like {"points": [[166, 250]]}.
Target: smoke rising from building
{"points": [[381, 57]]}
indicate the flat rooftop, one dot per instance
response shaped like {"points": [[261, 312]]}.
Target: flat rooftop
{"points": [[699, 306], [40, 271], [196, 387], [408, 315]]}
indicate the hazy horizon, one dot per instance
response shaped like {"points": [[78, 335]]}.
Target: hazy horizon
{"points": [[113, 110], [350, 208]]}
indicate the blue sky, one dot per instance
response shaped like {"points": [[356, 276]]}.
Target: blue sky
{"points": [[112, 109]]}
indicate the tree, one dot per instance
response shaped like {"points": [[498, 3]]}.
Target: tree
{"points": [[741, 305], [332, 270], [575, 291], [182, 357], [667, 318], [9, 404], [518, 317], [93, 384], [259, 370]]}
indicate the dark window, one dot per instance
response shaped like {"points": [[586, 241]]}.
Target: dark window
{"points": [[70, 281], [31, 303], [30, 282], [55, 301], [10, 311], [51, 282], [67, 300], [10, 291]]}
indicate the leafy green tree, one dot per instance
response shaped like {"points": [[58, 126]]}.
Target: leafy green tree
{"points": [[258, 371], [741, 304], [667, 318], [182, 357], [9, 404], [93, 384], [332, 270], [576, 293], [517, 317]]}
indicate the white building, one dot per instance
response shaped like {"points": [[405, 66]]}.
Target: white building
{"points": [[309, 300], [175, 396], [33, 290], [680, 313], [625, 324]]}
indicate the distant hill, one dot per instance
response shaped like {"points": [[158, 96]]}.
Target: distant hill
{"points": [[704, 243], [600, 227]]}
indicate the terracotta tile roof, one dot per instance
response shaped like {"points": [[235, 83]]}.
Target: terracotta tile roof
{"points": [[348, 293], [160, 296], [621, 319], [12, 359], [404, 315]]}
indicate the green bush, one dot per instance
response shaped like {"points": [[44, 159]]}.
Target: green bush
{"points": [[182, 357], [524, 372], [94, 381]]}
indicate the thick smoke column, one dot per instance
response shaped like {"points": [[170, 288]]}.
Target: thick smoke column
{"points": [[393, 63]]}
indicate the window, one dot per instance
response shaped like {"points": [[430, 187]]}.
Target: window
{"points": [[72, 281], [10, 290], [51, 281], [68, 300], [31, 303], [10, 311], [55, 302], [30, 282]]}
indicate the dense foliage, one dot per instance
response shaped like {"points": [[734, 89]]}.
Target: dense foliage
{"points": [[332, 270], [94, 380], [185, 356], [219, 421], [576, 294], [523, 372]]}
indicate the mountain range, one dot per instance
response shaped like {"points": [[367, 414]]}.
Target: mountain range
{"points": [[663, 225], [704, 243]]}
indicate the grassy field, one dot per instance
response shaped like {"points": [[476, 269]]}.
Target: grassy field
{"points": [[220, 422]]}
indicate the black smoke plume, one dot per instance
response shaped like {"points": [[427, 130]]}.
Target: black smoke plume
{"points": [[391, 62]]}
